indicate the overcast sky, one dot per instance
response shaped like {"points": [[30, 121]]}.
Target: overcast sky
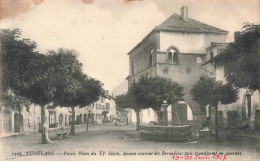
{"points": [[104, 31]]}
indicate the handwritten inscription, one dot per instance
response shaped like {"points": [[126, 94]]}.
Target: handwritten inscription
{"points": [[199, 157]]}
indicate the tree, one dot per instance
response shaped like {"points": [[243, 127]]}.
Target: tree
{"points": [[125, 101], [241, 58], [55, 77], [26, 72], [151, 92], [93, 90], [73, 88], [208, 91]]}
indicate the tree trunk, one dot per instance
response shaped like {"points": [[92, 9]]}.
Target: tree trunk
{"points": [[165, 117], [216, 121], [19, 119], [137, 120], [72, 130], [87, 122], [45, 137], [160, 117], [208, 118]]}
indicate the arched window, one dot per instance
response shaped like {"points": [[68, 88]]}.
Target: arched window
{"points": [[198, 60], [175, 58], [173, 55], [151, 57], [211, 55], [150, 60], [133, 68], [170, 57]]}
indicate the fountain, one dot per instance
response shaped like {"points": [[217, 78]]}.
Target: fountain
{"points": [[179, 131]]}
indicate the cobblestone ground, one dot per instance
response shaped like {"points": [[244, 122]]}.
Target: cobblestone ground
{"points": [[121, 142]]}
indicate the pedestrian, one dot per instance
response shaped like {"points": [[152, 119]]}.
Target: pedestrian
{"points": [[115, 121]]}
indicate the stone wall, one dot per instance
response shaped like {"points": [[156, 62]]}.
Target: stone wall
{"points": [[166, 133]]}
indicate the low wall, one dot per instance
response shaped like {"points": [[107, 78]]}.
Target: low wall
{"points": [[166, 133]]}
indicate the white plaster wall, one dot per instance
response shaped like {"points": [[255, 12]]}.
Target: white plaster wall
{"points": [[220, 74], [189, 42], [186, 43], [147, 115], [131, 116], [242, 103]]}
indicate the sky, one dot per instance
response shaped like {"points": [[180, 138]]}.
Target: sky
{"points": [[104, 31]]}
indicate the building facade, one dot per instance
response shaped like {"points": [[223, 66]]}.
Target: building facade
{"points": [[104, 110], [245, 112], [29, 119], [175, 49]]}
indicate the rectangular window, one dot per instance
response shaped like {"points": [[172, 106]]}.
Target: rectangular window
{"points": [[107, 106], [52, 119], [248, 105], [225, 71]]}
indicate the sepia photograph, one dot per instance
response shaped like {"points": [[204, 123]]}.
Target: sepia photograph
{"points": [[129, 80]]}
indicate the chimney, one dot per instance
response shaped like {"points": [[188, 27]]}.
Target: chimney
{"points": [[184, 13]]}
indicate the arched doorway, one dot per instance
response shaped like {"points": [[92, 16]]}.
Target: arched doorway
{"points": [[80, 119], [66, 120], [85, 118], [21, 122], [7, 121], [61, 119], [16, 123], [70, 120]]}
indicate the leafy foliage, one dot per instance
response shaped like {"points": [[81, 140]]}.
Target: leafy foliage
{"points": [[151, 92], [14, 101], [127, 101], [25, 71], [241, 58], [209, 91], [55, 77]]}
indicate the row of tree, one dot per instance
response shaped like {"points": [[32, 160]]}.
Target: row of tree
{"points": [[55, 77]]}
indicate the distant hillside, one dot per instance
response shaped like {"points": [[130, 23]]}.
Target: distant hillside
{"points": [[121, 88]]}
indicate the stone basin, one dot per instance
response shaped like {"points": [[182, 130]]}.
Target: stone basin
{"points": [[165, 133]]}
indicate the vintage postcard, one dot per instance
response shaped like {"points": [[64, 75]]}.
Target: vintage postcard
{"points": [[108, 80]]}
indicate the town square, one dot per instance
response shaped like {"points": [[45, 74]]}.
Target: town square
{"points": [[129, 80]]}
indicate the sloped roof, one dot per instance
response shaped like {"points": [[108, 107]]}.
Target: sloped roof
{"points": [[219, 56], [216, 58], [177, 24]]}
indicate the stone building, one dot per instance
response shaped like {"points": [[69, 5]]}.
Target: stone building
{"points": [[30, 118], [104, 110], [13, 122], [175, 49], [245, 112]]}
